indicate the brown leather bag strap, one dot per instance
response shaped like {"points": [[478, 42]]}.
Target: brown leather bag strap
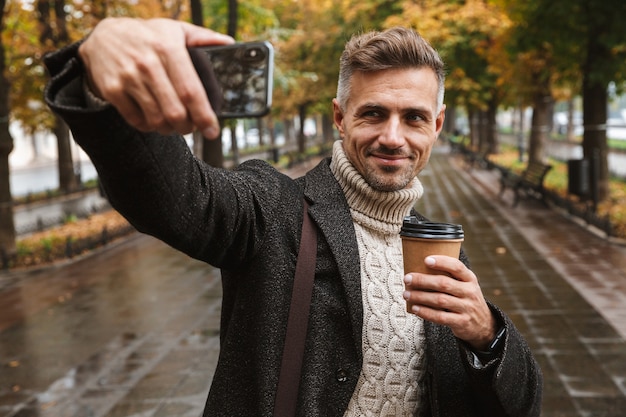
{"points": [[293, 351]]}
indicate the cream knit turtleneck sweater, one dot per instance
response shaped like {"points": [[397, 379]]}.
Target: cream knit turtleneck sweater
{"points": [[389, 384]]}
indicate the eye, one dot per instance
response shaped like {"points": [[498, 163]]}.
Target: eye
{"points": [[415, 117], [372, 113]]}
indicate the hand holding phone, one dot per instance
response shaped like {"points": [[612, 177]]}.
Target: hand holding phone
{"points": [[237, 78]]}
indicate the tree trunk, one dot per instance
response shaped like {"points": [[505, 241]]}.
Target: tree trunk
{"points": [[232, 17], [57, 38], [571, 128], [483, 129], [197, 17], [271, 130], [492, 145], [520, 133], [474, 125], [327, 128], [595, 102], [288, 123], [301, 137], [595, 147], [7, 227], [449, 123], [211, 151], [540, 126]]}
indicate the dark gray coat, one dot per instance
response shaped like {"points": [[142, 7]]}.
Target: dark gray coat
{"points": [[247, 222]]}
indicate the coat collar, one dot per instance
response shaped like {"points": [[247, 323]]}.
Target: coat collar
{"points": [[329, 210]]}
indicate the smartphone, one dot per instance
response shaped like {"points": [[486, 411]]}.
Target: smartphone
{"points": [[238, 77]]}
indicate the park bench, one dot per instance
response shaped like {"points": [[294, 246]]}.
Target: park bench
{"points": [[478, 159], [471, 156], [529, 182]]}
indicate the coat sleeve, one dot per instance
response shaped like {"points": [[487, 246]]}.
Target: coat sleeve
{"points": [[211, 214], [510, 384]]}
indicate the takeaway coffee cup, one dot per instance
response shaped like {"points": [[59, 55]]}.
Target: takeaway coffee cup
{"points": [[422, 238]]}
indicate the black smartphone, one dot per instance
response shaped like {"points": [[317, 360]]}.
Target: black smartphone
{"points": [[238, 77]]}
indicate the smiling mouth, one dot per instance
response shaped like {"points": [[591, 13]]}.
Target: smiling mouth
{"points": [[389, 157]]}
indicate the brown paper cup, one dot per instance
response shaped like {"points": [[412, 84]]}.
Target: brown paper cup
{"points": [[414, 250], [422, 239]]}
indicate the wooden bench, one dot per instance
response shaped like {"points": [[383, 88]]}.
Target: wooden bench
{"points": [[530, 182], [478, 159], [471, 157]]}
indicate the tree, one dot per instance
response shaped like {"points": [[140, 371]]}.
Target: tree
{"points": [[23, 30], [250, 20], [308, 62], [209, 150], [576, 42], [536, 45], [603, 60], [7, 227], [53, 35]]}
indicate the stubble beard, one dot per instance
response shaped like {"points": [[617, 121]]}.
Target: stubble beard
{"points": [[388, 179]]}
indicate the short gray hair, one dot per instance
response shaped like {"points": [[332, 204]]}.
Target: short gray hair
{"points": [[394, 48]]}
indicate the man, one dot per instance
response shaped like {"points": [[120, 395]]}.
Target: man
{"points": [[456, 355]]}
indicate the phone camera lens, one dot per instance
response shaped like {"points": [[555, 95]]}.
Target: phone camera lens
{"points": [[255, 54]]}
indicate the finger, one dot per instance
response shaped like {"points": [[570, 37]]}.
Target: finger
{"points": [[435, 315], [143, 104], [436, 300], [450, 266], [199, 36], [161, 103], [183, 101], [434, 283], [190, 96], [200, 110]]}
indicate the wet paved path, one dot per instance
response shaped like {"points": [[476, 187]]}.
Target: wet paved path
{"points": [[552, 277], [132, 330]]}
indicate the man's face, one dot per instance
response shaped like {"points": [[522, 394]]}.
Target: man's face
{"points": [[390, 124]]}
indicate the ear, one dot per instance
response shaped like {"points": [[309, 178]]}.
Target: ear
{"points": [[338, 117], [440, 118]]}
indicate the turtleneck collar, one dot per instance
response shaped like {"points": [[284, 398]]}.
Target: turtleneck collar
{"points": [[380, 210]]}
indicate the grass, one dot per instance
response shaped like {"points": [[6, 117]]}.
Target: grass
{"points": [[616, 144]]}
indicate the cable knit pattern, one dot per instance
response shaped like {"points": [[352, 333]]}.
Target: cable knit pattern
{"points": [[389, 384]]}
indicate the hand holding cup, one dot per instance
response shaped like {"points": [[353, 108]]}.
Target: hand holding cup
{"points": [[442, 289]]}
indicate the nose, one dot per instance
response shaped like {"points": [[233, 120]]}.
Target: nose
{"points": [[391, 135]]}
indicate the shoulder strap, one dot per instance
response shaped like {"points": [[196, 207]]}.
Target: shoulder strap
{"points": [[293, 351]]}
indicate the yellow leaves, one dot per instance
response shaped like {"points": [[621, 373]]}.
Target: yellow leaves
{"points": [[43, 247], [14, 364], [444, 22]]}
